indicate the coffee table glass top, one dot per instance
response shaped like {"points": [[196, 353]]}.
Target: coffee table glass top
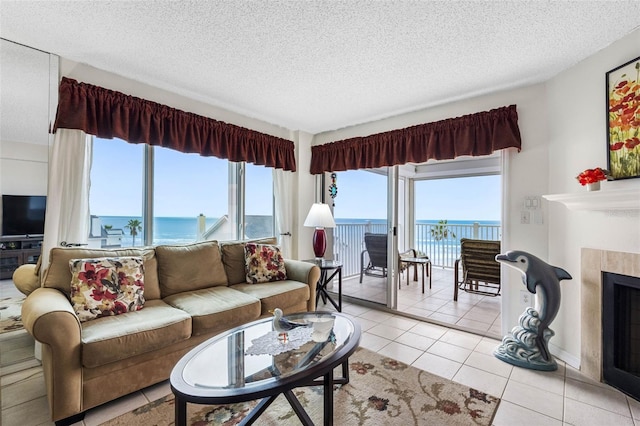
{"points": [[223, 362]]}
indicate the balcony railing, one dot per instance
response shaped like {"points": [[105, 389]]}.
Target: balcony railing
{"points": [[348, 241]]}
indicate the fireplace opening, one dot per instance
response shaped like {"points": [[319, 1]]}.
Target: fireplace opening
{"points": [[621, 332]]}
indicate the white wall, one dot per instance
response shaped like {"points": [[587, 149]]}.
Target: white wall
{"points": [[577, 141], [25, 119], [304, 197], [26, 108]]}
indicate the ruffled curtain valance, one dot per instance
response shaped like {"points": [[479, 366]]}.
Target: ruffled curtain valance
{"points": [[474, 134], [108, 114]]}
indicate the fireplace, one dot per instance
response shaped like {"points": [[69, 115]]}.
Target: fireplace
{"points": [[595, 266], [621, 332]]}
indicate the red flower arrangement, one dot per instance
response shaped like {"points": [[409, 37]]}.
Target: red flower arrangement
{"points": [[592, 176]]}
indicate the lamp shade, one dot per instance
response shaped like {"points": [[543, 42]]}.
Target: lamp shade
{"points": [[320, 216]]}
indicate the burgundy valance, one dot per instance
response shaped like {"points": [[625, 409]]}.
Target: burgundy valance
{"points": [[474, 134], [108, 114]]}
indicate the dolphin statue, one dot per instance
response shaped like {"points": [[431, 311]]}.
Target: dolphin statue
{"points": [[539, 276]]}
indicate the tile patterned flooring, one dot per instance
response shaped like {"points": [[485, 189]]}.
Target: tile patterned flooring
{"points": [[472, 312], [563, 397]]}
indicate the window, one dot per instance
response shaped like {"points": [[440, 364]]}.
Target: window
{"points": [[116, 193], [190, 198], [259, 211], [449, 209], [185, 187]]}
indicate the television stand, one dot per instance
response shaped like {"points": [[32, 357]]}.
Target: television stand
{"points": [[16, 251]]}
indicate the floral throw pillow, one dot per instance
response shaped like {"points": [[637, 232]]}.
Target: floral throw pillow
{"points": [[264, 263], [106, 286]]}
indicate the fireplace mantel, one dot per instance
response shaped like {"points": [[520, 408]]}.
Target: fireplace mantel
{"points": [[604, 200]]}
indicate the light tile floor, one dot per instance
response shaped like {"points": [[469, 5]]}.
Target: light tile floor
{"points": [[563, 397], [472, 312]]}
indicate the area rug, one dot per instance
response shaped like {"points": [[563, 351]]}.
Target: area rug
{"points": [[10, 319], [381, 391]]}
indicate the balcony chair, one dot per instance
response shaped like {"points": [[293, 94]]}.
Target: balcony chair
{"points": [[376, 251], [480, 270]]}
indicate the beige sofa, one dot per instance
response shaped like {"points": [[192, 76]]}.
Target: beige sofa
{"points": [[192, 293]]}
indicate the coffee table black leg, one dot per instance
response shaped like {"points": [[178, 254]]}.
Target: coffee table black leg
{"points": [[340, 290], [258, 410], [297, 408], [328, 398], [181, 412]]}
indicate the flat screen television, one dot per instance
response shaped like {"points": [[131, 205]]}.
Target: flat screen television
{"points": [[23, 215]]}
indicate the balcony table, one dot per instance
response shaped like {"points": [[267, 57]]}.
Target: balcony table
{"points": [[425, 266]]}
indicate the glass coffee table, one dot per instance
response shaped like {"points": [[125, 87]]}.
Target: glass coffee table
{"points": [[233, 366]]}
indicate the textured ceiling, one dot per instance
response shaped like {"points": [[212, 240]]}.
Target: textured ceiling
{"points": [[322, 65]]}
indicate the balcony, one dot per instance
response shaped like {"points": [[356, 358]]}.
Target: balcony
{"points": [[348, 241], [472, 312]]}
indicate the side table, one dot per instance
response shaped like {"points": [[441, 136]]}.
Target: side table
{"points": [[425, 266], [328, 270]]}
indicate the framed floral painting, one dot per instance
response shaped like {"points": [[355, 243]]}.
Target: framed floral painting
{"points": [[623, 120]]}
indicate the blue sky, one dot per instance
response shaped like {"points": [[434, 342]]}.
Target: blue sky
{"points": [[187, 185], [362, 195]]}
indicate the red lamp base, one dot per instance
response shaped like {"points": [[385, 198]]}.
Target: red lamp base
{"points": [[319, 242]]}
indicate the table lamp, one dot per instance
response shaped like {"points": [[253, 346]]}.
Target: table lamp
{"points": [[320, 217]]}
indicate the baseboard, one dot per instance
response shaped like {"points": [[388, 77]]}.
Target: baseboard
{"points": [[559, 353]]}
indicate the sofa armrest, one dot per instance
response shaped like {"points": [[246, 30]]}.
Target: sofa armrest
{"points": [[48, 316], [304, 272], [26, 278]]}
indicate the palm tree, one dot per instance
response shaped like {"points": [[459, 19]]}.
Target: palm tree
{"points": [[134, 226], [441, 232]]}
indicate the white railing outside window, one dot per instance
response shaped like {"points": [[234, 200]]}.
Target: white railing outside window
{"points": [[348, 241]]}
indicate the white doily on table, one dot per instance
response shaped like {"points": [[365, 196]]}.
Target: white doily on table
{"points": [[270, 345]]}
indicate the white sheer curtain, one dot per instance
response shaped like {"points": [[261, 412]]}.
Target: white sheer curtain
{"points": [[283, 190], [67, 217]]}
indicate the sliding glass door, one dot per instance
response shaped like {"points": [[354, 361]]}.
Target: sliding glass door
{"points": [[365, 235]]}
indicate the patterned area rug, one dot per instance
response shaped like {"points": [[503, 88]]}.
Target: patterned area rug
{"points": [[381, 391], [10, 319]]}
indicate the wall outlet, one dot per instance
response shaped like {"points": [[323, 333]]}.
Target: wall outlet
{"points": [[525, 298], [525, 217]]}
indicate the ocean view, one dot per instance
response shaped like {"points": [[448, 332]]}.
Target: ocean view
{"points": [[167, 230], [175, 230]]}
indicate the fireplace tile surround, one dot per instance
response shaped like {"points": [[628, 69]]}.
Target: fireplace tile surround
{"points": [[593, 263]]}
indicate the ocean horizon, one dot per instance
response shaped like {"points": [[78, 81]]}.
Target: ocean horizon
{"points": [[176, 230]]}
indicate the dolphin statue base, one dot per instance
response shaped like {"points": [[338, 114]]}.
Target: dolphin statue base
{"points": [[520, 347]]}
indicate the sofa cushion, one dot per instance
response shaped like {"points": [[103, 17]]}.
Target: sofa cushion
{"points": [[280, 294], [233, 258], [216, 308], [189, 267], [110, 339], [58, 274], [106, 286], [264, 263]]}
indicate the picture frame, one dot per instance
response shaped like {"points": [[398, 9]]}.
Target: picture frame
{"points": [[623, 120]]}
